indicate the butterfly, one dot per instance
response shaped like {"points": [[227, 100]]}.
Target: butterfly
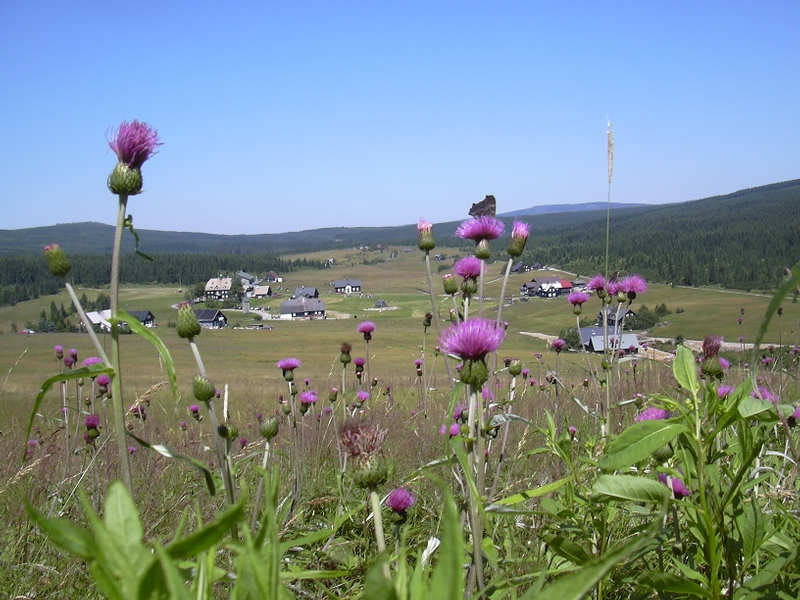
{"points": [[485, 208]]}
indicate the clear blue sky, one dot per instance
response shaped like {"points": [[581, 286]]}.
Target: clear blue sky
{"points": [[286, 116]]}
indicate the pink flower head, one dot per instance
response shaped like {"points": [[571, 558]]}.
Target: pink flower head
{"points": [[613, 286], [711, 345], [794, 417], [740, 320], [724, 391], [132, 450], [724, 363], [103, 379], [366, 327], [764, 394], [633, 284], [308, 397], [596, 283], [525, 373], [472, 339], [578, 298], [91, 360], [468, 267], [92, 422], [417, 362], [424, 227], [459, 411], [359, 361], [59, 350], [194, 409], [134, 143], [33, 443], [243, 442], [68, 361], [558, 344], [183, 425], [520, 231], [288, 364], [652, 413], [455, 429], [767, 360], [572, 431], [795, 350], [400, 500], [679, 489], [73, 353], [487, 393], [362, 396], [741, 339], [481, 228]]}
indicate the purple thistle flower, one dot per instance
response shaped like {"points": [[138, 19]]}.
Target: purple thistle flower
{"points": [[243, 442], [91, 360], [472, 339], [132, 450], [633, 284], [480, 228], [795, 350], [417, 362], [794, 417], [558, 344], [468, 267], [525, 373], [359, 361], [487, 394], [92, 422], [73, 354], [68, 361], [288, 364], [59, 350], [613, 286], [679, 489], [459, 411], [366, 327], [443, 430], [652, 413], [724, 363], [400, 500], [424, 227], [32, 443], [183, 425], [520, 231], [596, 283], [741, 339], [308, 397], [767, 360], [764, 394], [134, 143], [455, 429], [362, 396], [578, 298], [711, 345], [103, 379], [572, 431], [724, 391]]}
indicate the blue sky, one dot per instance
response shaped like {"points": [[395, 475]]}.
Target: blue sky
{"points": [[288, 116]]}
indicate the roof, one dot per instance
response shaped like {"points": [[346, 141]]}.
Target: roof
{"points": [[594, 336], [245, 275], [207, 314], [261, 289], [142, 315], [218, 284], [337, 283], [302, 305], [305, 291], [565, 283]]}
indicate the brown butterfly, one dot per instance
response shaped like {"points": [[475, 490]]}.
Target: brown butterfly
{"points": [[485, 208]]}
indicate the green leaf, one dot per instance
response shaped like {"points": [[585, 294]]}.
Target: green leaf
{"points": [[128, 224], [568, 549], [169, 453], [209, 535], [171, 576], [120, 516], [534, 493], [447, 582], [159, 345], [64, 534], [672, 584], [90, 371], [629, 487], [750, 407], [638, 442], [685, 370], [377, 586]]}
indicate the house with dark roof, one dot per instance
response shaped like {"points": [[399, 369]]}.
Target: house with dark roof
{"points": [[145, 317], [211, 318], [611, 311], [303, 308], [530, 288], [305, 292], [593, 340], [346, 286]]}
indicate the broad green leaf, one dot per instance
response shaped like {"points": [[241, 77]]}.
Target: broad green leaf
{"points": [[567, 549], [170, 453], [629, 487], [638, 442], [170, 575], [534, 493], [209, 535], [120, 516], [64, 534], [90, 371], [151, 337], [750, 407], [685, 370], [672, 584], [490, 552], [447, 582]]}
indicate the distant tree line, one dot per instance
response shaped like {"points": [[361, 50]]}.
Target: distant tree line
{"points": [[26, 277]]}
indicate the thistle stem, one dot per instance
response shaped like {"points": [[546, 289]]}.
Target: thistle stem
{"points": [[480, 290], [435, 311], [260, 490], [475, 466], [87, 324], [118, 408], [503, 291]]}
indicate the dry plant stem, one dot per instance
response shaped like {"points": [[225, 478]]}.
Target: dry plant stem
{"points": [[475, 466], [503, 292], [605, 428], [296, 451], [344, 377], [87, 324], [260, 490], [366, 365], [117, 407], [65, 414], [435, 311]]}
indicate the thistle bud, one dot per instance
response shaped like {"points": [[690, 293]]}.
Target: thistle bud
{"points": [[449, 284], [482, 250], [519, 237], [515, 368], [56, 260], [474, 373], [202, 388], [372, 476], [125, 180], [187, 327], [269, 428], [333, 394], [285, 408], [426, 241]]}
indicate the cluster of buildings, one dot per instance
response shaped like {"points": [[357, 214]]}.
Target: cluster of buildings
{"points": [[550, 287]]}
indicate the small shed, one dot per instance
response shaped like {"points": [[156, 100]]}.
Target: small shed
{"points": [[303, 308], [346, 286], [305, 292], [261, 291]]}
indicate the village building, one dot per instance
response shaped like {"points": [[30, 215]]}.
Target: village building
{"points": [[346, 286], [593, 340], [145, 317], [273, 277], [218, 288], [305, 292], [546, 288], [211, 318], [611, 311], [303, 308], [261, 291]]}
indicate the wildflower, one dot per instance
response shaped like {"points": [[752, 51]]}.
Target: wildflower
{"points": [[472, 339], [426, 241], [194, 409], [455, 430], [103, 380], [57, 260], [269, 428], [362, 396], [576, 299], [133, 143], [739, 320], [525, 373], [359, 362], [538, 355], [91, 360], [366, 328], [515, 368], [741, 339], [132, 450], [361, 439], [308, 397], [243, 442], [202, 389], [724, 363], [767, 360], [558, 345], [480, 228], [519, 237], [400, 500], [333, 394], [597, 284], [652, 413], [487, 394], [724, 391], [679, 489], [711, 345], [460, 412], [73, 354], [59, 350], [417, 363], [287, 365], [344, 353], [468, 267], [633, 285], [137, 410], [449, 284], [188, 326], [794, 417], [572, 431], [92, 422], [764, 394], [183, 425]]}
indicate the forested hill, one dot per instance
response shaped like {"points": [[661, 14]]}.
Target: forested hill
{"points": [[742, 240]]}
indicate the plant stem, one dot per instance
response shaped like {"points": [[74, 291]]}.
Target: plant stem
{"points": [[377, 519], [475, 466], [435, 312], [503, 291], [87, 324], [480, 290], [260, 490], [118, 408]]}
